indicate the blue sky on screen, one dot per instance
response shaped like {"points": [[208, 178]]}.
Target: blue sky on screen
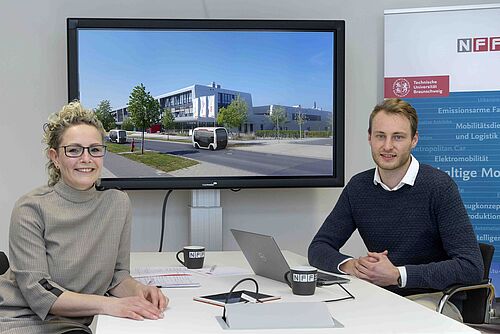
{"points": [[287, 68]]}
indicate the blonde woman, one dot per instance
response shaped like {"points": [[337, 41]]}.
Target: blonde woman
{"points": [[69, 244]]}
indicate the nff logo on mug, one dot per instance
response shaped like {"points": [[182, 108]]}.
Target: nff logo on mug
{"points": [[196, 255], [304, 278]]}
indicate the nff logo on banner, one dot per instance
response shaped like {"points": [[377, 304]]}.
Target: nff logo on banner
{"points": [[478, 44]]}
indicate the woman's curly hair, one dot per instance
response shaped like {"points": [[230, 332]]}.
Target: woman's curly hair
{"points": [[70, 115]]}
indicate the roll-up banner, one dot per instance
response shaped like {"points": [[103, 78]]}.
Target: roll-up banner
{"points": [[445, 61]]}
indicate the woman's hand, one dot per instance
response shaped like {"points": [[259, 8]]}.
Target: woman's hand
{"points": [[141, 302], [139, 295], [153, 295], [137, 308]]}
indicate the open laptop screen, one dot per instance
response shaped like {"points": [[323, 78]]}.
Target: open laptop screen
{"points": [[266, 259]]}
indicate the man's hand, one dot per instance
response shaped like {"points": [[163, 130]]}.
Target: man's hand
{"points": [[377, 269], [348, 266]]}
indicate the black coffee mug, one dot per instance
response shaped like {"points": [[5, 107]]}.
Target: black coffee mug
{"points": [[193, 257], [303, 280]]}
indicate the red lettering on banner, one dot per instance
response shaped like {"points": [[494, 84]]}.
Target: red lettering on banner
{"points": [[411, 87], [494, 43], [480, 44]]}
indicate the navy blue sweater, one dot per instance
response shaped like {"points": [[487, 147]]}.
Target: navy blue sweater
{"points": [[425, 228]]}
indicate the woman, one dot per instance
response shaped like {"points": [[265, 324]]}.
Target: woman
{"points": [[69, 243]]}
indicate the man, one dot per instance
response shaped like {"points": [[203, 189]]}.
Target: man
{"points": [[409, 215]]}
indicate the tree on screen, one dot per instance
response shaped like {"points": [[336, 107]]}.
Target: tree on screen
{"points": [[144, 110], [277, 116], [128, 124], [300, 118], [330, 123], [167, 120], [103, 113], [234, 114]]}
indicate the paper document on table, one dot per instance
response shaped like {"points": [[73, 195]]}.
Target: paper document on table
{"points": [[157, 271], [219, 271], [165, 277], [169, 281]]}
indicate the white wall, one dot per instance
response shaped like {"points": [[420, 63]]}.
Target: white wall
{"points": [[33, 85]]}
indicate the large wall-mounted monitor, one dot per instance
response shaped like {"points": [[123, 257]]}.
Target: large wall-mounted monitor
{"points": [[282, 80]]}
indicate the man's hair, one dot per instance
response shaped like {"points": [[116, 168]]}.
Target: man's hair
{"points": [[396, 106], [70, 115]]}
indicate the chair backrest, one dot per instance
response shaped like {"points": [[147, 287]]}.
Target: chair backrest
{"points": [[474, 307], [4, 263], [487, 252]]}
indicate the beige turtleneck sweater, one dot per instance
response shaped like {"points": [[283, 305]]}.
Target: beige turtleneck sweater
{"points": [[62, 239]]}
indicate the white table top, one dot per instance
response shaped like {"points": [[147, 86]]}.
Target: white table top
{"points": [[374, 310]]}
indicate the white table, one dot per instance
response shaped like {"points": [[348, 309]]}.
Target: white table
{"points": [[374, 310]]}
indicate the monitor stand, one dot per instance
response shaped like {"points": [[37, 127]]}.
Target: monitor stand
{"points": [[205, 219]]}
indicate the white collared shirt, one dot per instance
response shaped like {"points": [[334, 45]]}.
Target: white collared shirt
{"points": [[409, 179]]}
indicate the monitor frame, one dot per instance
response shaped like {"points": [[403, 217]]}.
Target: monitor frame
{"points": [[225, 182]]}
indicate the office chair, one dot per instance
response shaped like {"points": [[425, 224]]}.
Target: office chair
{"points": [[477, 306], [4, 263]]}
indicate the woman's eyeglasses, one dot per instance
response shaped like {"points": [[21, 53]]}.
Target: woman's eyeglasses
{"points": [[75, 151]]}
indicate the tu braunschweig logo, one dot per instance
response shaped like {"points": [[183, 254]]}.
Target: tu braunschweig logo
{"points": [[401, 87]]}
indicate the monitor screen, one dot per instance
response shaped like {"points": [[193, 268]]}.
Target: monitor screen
{"points": [[196, 104]]}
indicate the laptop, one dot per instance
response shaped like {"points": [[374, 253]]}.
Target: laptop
{"points": [[266, 259]]}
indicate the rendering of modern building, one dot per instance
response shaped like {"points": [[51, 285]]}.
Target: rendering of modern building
{"points": [[198, 105]]}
